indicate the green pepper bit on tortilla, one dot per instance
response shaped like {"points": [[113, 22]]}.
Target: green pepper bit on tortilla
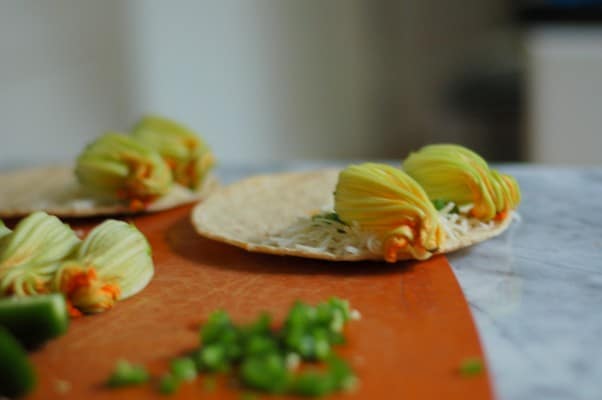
{"points": [[30, 255], [184, 151], [454, 173], [120, 167], [112, 263], [386, 201]]}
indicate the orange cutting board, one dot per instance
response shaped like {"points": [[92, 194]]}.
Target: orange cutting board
{"points": [[415, 329]]}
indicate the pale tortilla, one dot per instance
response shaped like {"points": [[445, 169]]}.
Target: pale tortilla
{"points": [[55, 189], [246, 213]]}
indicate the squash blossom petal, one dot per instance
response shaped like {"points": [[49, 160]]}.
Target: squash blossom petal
{"points": [[454, 173], [189, 158], [386, 201], [112, 263], [3, 229], [510, 190], [30, 254], [118, 166]]}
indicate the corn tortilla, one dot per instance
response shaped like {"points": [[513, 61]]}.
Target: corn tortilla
{"points": [[55, 189], [247, 212]]}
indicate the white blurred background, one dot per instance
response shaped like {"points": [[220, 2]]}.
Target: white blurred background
{"points": [[266, 80]]}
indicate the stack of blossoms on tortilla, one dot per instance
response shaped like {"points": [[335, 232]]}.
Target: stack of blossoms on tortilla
{"points": [[445, 198], [160, 165]]}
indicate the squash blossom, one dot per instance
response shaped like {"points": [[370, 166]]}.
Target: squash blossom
{"points": [[454, 173], [118, 166], [30, 255], [112, 263], [386, 201], [186, 154]]}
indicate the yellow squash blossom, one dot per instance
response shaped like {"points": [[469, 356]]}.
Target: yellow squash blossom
{"points": [[30, 254], [187, 155], [386, 201], [453, 173], [112, 263], [119, 166]]}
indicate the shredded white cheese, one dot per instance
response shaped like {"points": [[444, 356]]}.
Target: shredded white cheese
{"points": [[457, 225], [319, 234], [322, 235]]}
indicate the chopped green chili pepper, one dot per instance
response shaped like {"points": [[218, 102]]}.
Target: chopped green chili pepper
{"points": [[260, 326], [439, 204], [471, 366], [183, 369], [17, 376], [332, 216], [341, 373], [311, 331], [126, 374], [169, 384], [267, 373], [338, 376], [260, 344], [217, 323], [211, 358], [35, 319], [265, 359], [312, 383]]}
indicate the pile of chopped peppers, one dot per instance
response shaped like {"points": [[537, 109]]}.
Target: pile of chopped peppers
{"points": [[261, 358]]}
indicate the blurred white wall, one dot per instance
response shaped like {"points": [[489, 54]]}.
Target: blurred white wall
{"points": [[259, 79], [62, 77]]}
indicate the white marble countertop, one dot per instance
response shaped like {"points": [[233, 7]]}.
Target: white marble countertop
{"points": [[536, 291]]}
